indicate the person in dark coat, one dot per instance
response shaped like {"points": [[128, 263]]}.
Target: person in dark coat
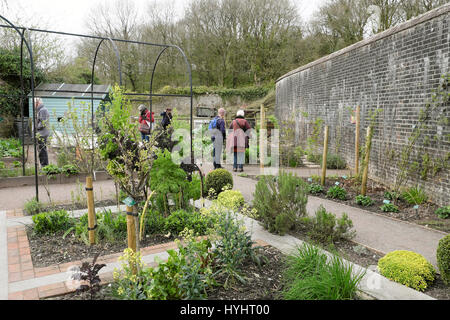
{"points": [[238, 142], [218, 138], [167, 118], [42, 130]]}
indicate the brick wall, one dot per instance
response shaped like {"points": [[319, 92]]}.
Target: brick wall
{"points": [[395, 71]]}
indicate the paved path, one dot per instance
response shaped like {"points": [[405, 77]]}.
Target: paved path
{"points": [[375, 231]]}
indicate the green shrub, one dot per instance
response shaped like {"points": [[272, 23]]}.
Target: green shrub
{"points": [[408, 268], [336, 192], [17, 164], [111, 227], [155, 223], [325, 228], [192, 220], [2, 165], [10, 148], [391, 195], [69, 169], [51, 169], [33, 206], [231, 199], [217, 180], [414, 196], [315, 188], [52, 222], [280, 201], [334, 161], [233, 246], [443, 258], [443, 212], [314, 158], [389, 207], [308, 275], [363, 200]]}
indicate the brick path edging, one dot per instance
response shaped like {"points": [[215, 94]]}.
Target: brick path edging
{"points": [[20, 265]]}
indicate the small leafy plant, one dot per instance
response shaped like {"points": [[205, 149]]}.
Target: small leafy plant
{"points": [[443, 212], [52, 222], [231, 199], [315, 188], [389, 207], [337, 192], [33, 206], [89, 273], [414, 196], [391, 195], [69, 169], [365, 201]]}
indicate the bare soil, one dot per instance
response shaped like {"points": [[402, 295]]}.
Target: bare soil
{"points": [[50, 250]]}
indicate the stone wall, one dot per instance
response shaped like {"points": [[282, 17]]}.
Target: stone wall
{"points": [[394, 72]]}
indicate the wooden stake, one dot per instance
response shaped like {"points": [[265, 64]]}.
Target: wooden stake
{"points": [[131, 229], [91, 209], [324, 156], [262, 150], [366, 161], [357, 141]]}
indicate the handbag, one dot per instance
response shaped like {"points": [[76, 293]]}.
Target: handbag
{"points": [[247, 144], [144, 127]]}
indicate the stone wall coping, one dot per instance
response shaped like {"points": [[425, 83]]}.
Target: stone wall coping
{"points": [[379, 36]]}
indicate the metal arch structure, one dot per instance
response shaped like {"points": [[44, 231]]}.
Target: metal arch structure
{"points": [[30, 52], [187, 167]]}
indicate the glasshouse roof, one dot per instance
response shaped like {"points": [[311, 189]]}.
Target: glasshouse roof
{"points": [[72, 90]]}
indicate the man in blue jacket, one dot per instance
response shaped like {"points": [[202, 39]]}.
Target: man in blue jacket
{"points": [[217, 128]]}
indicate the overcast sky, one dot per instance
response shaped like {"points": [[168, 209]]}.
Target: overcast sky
{"points": [[68, 15]]}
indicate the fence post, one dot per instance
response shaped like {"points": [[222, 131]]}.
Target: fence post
{"points": [[91, 210], [357, 141], [366, 161], [324, 156]]}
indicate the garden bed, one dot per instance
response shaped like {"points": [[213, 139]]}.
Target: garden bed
{"points": [[368, 258], [47, 250], [423, 215]]}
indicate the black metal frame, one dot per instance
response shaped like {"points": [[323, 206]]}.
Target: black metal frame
{"points": [[193, 166]]}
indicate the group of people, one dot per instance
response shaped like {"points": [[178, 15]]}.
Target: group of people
{"points": [[236, 143]]}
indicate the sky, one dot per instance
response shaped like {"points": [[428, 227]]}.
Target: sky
{"points": [[68, 15]]}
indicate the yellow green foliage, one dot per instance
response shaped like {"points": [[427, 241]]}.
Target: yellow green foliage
{"points": [[408, 268], [443, 258], [231, 199]]}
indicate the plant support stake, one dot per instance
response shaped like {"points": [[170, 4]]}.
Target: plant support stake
{"points": [[366, 161], [324, 156], [357, 141], [91, 211]]}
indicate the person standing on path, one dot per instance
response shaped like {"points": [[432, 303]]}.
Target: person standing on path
{"points": [[145, 122], [167, 118], [42, 130], [238, 142], [217, 129]]}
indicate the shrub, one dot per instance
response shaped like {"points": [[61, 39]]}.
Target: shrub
{"points": [[314, 158], [231, 199], [443, 212], [325, 228], [218, 179], [192, 220], [280, 201], [233, 246], [414, 196], [389, 207], [69, 169], [334, 161], [51, 169], [408, 268], [309, 276], [52, 222], [363, 200], [336, 192], [2, 165], [110, 227], [391, 195], [443, 258], [33, 206], [315, 188]]}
